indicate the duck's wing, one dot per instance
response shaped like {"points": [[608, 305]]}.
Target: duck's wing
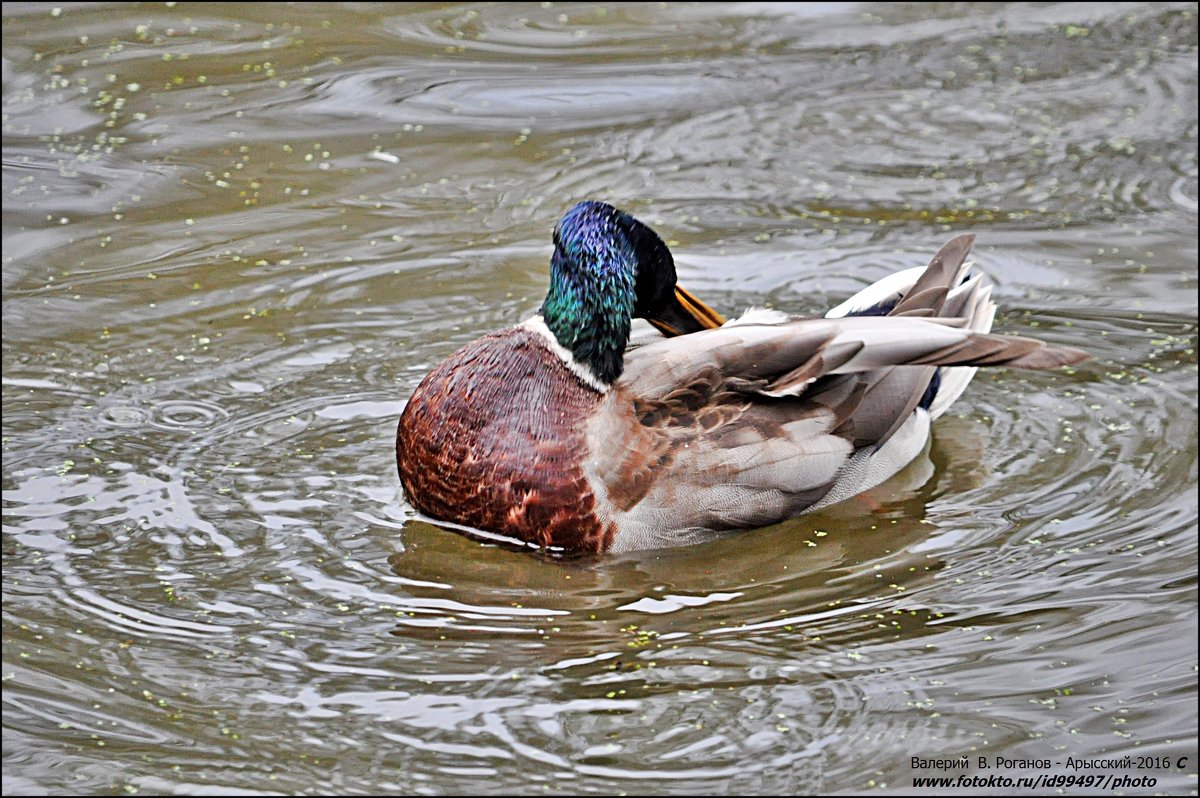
{"points": [[750, 423], [746, 425], [784, 360]]}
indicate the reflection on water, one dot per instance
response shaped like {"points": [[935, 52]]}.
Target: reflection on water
{"points": [[235, 237]]}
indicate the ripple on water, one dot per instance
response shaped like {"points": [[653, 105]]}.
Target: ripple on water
{"points": [[187, 414]]}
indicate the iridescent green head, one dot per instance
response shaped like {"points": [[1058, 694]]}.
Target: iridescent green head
{"points": [[607, 269]]}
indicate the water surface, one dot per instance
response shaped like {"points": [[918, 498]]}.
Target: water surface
{"points": [[235, 237]]}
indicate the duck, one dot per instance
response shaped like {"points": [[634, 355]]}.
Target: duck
{"points": [[557, 434]]}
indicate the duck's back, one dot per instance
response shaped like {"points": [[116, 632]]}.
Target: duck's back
{"points": [[493, 438]]}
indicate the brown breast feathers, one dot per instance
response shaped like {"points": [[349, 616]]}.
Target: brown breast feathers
{"points": [[493, 438]]}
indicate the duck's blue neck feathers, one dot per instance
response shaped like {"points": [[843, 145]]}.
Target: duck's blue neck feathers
{"points": [[593, 288]]}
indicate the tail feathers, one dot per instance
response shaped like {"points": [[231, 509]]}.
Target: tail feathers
{"points": [[971, 301], [965, 302], [966, 299], [893, 392], [943, 272], [940, 292]]}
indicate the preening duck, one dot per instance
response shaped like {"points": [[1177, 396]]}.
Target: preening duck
{"points": [[552, 432]]}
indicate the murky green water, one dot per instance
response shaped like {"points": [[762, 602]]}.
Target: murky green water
{"points": [[235, 237]]}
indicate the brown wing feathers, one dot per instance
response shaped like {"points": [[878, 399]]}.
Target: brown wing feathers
{"points": [[877, 392]]}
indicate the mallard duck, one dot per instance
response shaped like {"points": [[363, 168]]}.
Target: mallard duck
{"points": [[554, 433]]}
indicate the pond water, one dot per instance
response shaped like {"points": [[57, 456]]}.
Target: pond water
{"points": [[237, 236]]}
